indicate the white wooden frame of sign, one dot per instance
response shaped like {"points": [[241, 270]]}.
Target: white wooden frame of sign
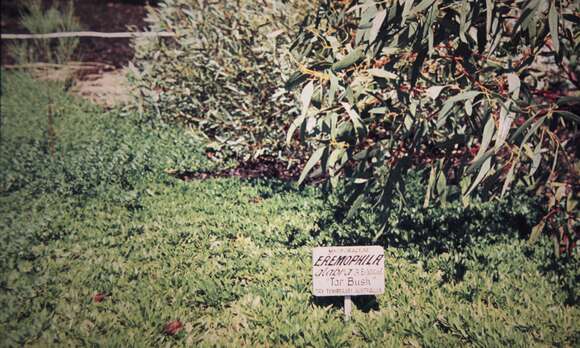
{"points": [[348, 271]]}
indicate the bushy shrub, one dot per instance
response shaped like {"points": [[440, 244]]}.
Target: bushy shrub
{"points": [[223, 71], [483, 93], [432, 229]]}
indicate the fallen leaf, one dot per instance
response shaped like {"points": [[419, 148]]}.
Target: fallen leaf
{"points": [[99, 297], [173, 327]]}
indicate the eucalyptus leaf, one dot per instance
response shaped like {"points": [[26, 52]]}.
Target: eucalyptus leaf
{"points": [[314, 159], [377, 23], [350, 59], [553, 22]]}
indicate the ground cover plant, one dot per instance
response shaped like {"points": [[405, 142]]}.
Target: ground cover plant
{"points": [[101, 246]]}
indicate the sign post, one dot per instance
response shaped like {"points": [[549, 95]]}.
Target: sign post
{"points": [[348, 271], [347, 307]]}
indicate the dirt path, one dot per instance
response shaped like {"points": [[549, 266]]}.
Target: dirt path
{"points": [[107, 89]]}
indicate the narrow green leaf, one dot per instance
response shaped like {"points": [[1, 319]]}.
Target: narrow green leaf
{"points": [[481, 175], [355, 206], [508, 180], [506, 119], [568, 115], [430, 184], [295, 80], [514, 84], [441, 183], [571, 203], [382, 74], [333, 88], [536, 159], [297, 122], [334, 156], [533, 130], [442, 115], [486, 138], [476, 164], [449, 103], [423, 5], [568, 100], [434, 91], [377, 24], [306, 96], [488, 17], [463, 23], [352, 58], [359, 128], [380, 110], [536, 232], [553, 23], [468, 107], [316, 156], [406, 10], [521, 129], [463, 96]]}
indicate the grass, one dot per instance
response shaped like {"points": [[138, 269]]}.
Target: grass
{"points": [[39, 20], [229, 259]]}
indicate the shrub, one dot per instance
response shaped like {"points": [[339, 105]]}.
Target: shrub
{"points": [[481, 93], [222, 73], [433, 229]]}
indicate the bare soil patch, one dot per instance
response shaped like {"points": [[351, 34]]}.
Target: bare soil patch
{"points": [[108, 89]]}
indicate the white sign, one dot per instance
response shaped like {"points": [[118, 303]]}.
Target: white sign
{"points": [[348, 271]]}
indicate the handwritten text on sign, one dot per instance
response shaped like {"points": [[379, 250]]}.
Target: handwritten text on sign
{"points": [[342, 271]]}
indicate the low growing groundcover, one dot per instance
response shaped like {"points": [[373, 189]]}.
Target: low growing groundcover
{"points": [[101, 247]]}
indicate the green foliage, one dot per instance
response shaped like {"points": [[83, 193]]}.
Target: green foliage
{"points": [[231, 259], [223, 72], [481, 93], [40, 20], [93, 150], [433, 229]]}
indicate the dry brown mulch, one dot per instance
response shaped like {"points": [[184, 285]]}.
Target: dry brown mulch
{"points": [[263, 167]]}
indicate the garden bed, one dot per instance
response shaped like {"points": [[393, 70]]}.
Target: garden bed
{"points": [[102, 247]]}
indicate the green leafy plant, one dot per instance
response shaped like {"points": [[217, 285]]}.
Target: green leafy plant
{"points": [[434, 229], [101, 247], [222, 72], [482, 93], [96, 150], [40, 20]]}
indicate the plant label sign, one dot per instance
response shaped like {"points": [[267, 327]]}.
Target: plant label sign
{"points": [[348, 271]]}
